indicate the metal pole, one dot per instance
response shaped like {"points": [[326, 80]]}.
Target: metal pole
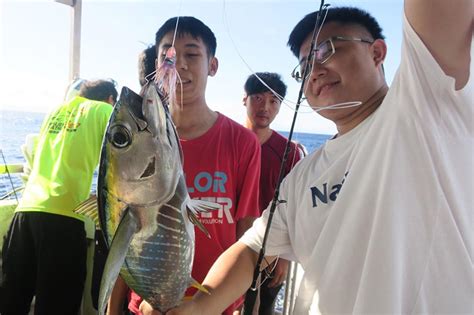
{"points": [[75, 40], [75, 43]]}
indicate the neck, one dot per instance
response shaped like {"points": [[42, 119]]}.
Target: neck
{"points": [[263, 134], [349, 122], [192, 120]]}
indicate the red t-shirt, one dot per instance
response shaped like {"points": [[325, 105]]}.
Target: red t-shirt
{"points": [[222, 166], [272, 156]]}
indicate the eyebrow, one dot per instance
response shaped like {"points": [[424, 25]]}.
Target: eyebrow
{"points": [[190, 45]]}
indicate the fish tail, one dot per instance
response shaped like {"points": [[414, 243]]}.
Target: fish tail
{"points": [[199, 286]]}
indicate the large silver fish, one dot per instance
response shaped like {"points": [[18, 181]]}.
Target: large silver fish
{"points": [[145, 211]]}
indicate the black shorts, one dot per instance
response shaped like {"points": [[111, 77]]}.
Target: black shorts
{"points": [[44, 255]]}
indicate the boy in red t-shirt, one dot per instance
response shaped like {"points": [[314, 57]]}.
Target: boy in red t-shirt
{"points": [[221, 157], [263, 103]]}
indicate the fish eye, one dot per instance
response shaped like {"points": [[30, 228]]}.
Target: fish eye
{"points": [[120, 136]]}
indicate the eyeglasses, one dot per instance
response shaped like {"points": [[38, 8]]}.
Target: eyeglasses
{"points": [[321, 54]]}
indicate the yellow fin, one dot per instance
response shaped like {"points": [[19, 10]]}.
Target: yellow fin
{"points": [[198, 286], [90, 209], [194, 220]]}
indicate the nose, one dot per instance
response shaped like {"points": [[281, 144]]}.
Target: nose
{"points": [[267, 104], [317, 71], [181, 62], [261, 104]]}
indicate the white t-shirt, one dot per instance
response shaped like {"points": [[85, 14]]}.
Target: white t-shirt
{"points": [[381, 218]]}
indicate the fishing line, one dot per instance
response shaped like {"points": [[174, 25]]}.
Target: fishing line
{"points": [[287, 102], [275, 201], [9, 176], [167, 76], [227, 28]]}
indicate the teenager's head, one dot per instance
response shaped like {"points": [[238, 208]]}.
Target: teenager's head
{"points": [[340, 15], [195, 46], [261, 103], [273, 81], [146, 64], [188, 25], [347, 64], [99, 90]]}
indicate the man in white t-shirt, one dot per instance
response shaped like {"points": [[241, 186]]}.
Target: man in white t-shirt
{"points": [[380, 217]]}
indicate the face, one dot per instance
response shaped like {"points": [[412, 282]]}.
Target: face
{"points": [[262, 108], [351, 74], [193, 64]]}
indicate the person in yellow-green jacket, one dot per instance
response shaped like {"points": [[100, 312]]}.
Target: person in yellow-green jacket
{"points": [[44, 253]]}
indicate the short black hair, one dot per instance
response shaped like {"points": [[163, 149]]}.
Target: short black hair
{"points": [[254, 86], [99, 90], [342, 15], [146, 64], [191, 26]]}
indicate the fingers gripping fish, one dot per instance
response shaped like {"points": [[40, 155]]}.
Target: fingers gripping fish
{"points": [[145, 211]]}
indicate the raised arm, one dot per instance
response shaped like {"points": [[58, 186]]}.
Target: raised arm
{"points": [[446, 28]]}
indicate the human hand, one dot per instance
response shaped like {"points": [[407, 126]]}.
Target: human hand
{"points": [[146, 309], [279, 273], [183, 309]]}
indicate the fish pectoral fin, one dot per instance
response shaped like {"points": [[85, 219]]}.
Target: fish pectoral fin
{"points": [[89, 208], [196, 205], [194, 220], [118, 250], [193, 206], [199, 286]]}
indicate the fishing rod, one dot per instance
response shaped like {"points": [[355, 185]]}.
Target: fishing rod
{"points": [[9, 177], [252, 294]]}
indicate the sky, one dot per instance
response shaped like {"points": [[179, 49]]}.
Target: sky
{"points": [[251, 37]]}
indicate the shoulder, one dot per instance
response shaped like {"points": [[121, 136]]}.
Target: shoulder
{"points": [[236, 130], [277, 137], [97, 108], [99, 105], [279, 141]]}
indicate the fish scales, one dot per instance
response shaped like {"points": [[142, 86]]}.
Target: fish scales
{"points": [[144, 206]]}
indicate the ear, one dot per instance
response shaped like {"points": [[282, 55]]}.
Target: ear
{"points": [[379, 51], [244, 100], [213, 66], [110, 100]]}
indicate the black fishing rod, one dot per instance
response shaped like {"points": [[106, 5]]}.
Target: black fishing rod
{"points": [[9, 177], [251, 295]]}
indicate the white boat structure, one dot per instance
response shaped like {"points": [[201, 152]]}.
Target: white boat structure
{"points": [[9, 201]]}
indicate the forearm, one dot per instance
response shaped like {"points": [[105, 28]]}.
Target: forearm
{"points": [[445, 27], [228, 279], [117, 298]]}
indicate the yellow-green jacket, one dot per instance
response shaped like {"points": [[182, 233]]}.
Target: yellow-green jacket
{"points": [[67, 153]]}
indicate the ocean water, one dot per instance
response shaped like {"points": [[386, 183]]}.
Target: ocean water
{"points": [[15, 126]]}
